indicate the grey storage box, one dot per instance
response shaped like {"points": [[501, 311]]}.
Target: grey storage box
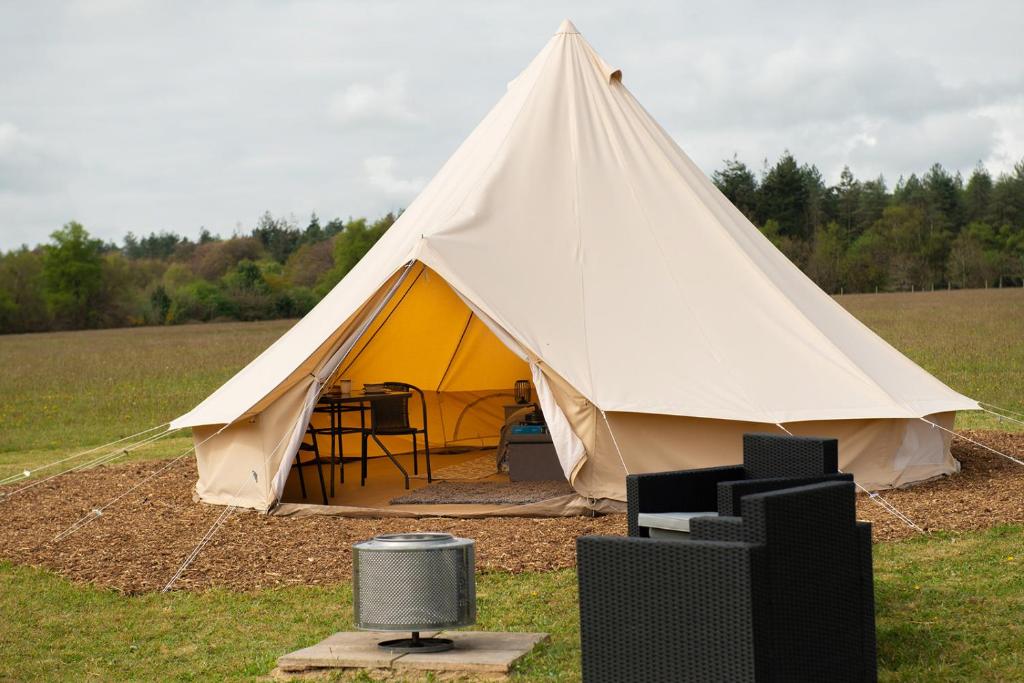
{"points": [[532, 457]]}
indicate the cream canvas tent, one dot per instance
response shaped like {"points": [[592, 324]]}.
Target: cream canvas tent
{"points": [[571, 241]]}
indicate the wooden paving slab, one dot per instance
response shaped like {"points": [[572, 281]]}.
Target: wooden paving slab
{"points": [[480, 652]]}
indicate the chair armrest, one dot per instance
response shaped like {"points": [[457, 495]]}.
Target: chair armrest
{"points": [[716, 529], [869, 647], [680, 491], [730, 492], [655, 610]]}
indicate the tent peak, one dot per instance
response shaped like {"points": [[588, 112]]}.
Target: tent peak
{"points": [[566, 27], [610, 73]]}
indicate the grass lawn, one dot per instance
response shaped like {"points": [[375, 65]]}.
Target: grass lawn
{"points": [[85, 388], [973, 340], [948, 605], [949, 609]]}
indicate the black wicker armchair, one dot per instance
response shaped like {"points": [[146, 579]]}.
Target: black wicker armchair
{"points": [[784, 593], [770, 462]]}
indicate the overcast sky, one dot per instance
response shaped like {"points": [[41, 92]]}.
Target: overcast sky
{"points": [[140, 115]]}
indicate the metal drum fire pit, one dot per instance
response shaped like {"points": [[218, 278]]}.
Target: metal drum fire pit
{"points": [[414, 582]]}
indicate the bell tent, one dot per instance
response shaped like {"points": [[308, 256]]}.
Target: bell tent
{"points": [[570, 241]]}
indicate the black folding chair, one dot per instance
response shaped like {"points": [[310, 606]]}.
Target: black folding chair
{"points": [[389, 416]]}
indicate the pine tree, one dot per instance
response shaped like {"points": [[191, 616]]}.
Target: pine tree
{"points": [[783, 197], [737, 182]]}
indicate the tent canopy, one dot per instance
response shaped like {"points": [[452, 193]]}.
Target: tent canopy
{"points": [[588, 243]]}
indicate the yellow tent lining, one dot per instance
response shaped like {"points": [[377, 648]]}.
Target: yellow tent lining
{"points": [[427, 336]]}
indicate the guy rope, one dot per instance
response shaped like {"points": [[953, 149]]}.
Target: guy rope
{"points": [[29, 472], [976, 443], [97, 512], [874, 496], [99, 460]]}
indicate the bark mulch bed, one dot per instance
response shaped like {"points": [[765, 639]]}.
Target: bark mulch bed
{"points": [[988, 491], [139, 542]]}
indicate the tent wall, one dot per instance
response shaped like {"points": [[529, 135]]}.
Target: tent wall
{"points": [[428, 336], [881, 453], [227, 460]]}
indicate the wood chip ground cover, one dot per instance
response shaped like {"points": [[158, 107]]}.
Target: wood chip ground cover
{"points": [[139, 542]]}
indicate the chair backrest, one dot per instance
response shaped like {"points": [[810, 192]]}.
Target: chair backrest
{"points": [[815, 578], [405, 386], [390, 412], [775, 455]]}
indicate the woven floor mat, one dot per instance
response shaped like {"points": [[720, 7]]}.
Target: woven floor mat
{"points": [[484, 493]]}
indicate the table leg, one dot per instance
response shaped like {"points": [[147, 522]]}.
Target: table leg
{"points": [[341, 444], [362, 430], [334, 409]]}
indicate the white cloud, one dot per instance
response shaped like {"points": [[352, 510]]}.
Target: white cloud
{"points": [[372, 103], [105, 7], [380, 173], [958, 140], [146, 115], [27, 164], [1009, 118]]}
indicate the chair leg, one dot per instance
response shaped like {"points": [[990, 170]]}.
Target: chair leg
{"points": [[341, 463], [341, 451], [363, 408], [302, 479], [426, 455], [415, 467], [392, 459], [362, 463], [320, 470]]}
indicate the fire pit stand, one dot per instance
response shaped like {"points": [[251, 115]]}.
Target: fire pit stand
{"points": [[416, 644], [414, 582]]}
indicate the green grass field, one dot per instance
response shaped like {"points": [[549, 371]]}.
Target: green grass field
{"points": [[85, 388], [948, 610], [973, 340], [949, 605]]}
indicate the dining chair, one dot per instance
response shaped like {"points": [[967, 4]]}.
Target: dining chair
{"points": [[317, 461], [389, 416]]}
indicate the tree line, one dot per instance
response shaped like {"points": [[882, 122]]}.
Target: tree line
{"points": [[933, 230], [278, 270]]}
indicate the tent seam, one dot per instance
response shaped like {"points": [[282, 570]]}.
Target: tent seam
{"points": [[661, 252], [574, 144]]}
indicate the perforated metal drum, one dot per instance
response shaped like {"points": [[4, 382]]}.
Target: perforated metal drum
{"points": [[414, 582]]}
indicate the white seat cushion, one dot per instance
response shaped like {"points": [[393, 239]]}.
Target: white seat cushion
{"points": [[674, 521]]}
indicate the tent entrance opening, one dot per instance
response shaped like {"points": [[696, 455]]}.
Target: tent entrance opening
{"points": [[427, 378]]}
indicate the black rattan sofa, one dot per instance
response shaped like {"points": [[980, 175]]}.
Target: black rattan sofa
{"points": [[770, 462], [783, 593]]}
